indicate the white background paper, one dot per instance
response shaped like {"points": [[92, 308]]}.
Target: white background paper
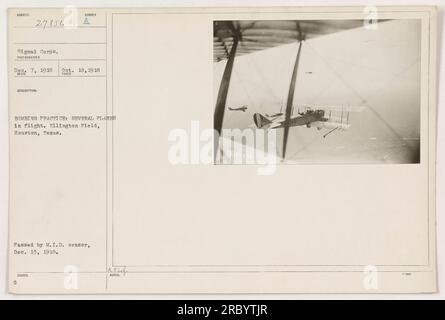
{"points": [[440, 211]]}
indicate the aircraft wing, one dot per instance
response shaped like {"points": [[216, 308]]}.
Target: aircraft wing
{"points": [[259, 35], [345, 108], [279, 119]]}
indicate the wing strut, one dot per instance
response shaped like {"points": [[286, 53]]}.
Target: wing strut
{"points": [[290, 100], [325, 135], [220, 107]]}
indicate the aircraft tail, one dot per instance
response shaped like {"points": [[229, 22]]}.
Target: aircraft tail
{"points": [[261, 121]]}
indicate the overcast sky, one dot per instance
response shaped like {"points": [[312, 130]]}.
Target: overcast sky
{"points": [[378, 69]]}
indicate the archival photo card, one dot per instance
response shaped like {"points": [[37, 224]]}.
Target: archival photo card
{"points": [[222, 150]]}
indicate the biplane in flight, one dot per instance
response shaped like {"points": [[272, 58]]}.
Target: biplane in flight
{"points": [[235, 38], [316, 117]]}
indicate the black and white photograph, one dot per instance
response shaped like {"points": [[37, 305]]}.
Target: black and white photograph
{"points": [[333, 91], [237, 151]]}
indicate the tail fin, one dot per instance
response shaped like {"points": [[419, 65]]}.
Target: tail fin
{"points": [[260, 120]]}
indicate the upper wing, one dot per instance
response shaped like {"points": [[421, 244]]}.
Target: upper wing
{"points": [[264, 34], [345, 108]]}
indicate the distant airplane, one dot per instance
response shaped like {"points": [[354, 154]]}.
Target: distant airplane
{"points": [[310, 118], [243, 108]]}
